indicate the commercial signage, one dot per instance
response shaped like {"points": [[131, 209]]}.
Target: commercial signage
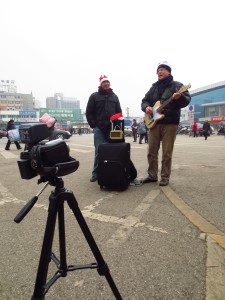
{"points": [[222, 118], [63, 114], [26, 113], [187, 114]]}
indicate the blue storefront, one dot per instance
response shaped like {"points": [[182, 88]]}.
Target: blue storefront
{"points": [[212, 96]]}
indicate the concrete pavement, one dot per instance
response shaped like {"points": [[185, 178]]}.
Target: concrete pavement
{"points": [[159, 243]]}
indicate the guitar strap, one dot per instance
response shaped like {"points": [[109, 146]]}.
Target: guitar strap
{"points": [[164, 95]]}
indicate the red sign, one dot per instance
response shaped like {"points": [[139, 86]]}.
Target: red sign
{"points": [[222, 118]]}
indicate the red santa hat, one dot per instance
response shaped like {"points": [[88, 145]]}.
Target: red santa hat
{"points": [[103, 78], [118, 116]]}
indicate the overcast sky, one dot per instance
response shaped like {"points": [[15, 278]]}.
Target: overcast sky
{"points": [[50, 46]]}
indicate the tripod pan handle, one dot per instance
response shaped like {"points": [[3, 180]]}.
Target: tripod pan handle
{"points": [[25, 210]]}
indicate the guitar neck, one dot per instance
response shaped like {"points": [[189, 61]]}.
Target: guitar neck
{"points": [[166, 102], [181, 90]]}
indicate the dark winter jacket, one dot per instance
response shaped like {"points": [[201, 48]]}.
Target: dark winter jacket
{"points": [[10, 126], [134, 127], [172, 110], [206, 126], [101, 106]]}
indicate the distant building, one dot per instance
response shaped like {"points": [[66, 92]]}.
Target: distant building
{"points": [[8, 86], [59, 101], [13, 105], [209, 102]]}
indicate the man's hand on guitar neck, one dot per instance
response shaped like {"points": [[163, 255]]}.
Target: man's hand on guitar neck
{"points": [[148, 110], [176, 95]]}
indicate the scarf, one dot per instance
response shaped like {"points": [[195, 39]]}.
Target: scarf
{"points": [[162, 84], [104, 92]]}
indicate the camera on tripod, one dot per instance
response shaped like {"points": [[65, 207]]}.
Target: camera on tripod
{"points": [[46, 159], [50, 160]]}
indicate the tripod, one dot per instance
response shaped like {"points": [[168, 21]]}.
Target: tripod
{"points": [[56, 207]]}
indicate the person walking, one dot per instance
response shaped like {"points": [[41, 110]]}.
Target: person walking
{"points": [[142, 131], [100, 107], [10, 126], [194, 129], [79, 131], [134, 128], [146, 135], [165, 129], [71, 130], [206, 129]]}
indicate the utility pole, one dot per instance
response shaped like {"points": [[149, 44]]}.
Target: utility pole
{"points": [[127, 111]]}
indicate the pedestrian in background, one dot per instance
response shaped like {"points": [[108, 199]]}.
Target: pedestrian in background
{"points": [[194, 129], [134, 128], [11, 126], [142, 130], [79, 131], [100, 107], [206, 129], [71, 130]]}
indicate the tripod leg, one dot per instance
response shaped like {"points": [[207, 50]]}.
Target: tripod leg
{"points": [[39, 290], [62, 239], [103, 269]]}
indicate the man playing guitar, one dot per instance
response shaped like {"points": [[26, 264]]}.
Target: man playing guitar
{"points": [[164, 129]]}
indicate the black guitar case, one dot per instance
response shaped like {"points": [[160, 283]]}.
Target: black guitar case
{"points": [[115, 168]]}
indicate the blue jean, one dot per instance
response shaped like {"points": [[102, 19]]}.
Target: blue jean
{"points": [[99, 138]]}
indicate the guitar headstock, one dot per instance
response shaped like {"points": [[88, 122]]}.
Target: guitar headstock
{"points": [[184, 88]]}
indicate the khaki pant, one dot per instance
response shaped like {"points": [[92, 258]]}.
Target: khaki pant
{"points": [[166, 134]]}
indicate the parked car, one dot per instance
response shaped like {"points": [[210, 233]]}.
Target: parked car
{"points": [[128, 131], [60, 133], [3, 133]]}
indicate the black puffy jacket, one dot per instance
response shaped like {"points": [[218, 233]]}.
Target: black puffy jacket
{"points": [[100, 108], [172, 110]]}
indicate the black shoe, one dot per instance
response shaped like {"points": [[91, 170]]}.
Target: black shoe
{"points": [[7, 149], [93, 179], [19, 148], [148, 179], [164, 182]]}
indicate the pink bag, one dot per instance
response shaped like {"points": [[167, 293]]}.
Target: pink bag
{"points": [[48, 120]]}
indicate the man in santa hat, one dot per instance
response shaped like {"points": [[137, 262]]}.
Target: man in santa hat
{"points": [[100, 107]]}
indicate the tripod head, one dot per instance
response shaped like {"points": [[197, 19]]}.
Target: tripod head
{"points": [[52, 180], [60, 169]]}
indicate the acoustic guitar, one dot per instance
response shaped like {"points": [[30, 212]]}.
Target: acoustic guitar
{"points": [[156, 115]]}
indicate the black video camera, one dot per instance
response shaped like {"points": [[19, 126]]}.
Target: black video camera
{"points": [[46, 159]]}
